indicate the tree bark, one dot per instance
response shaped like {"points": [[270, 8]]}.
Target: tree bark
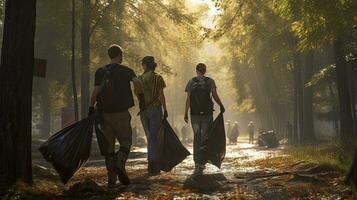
{"points": [[16, 77], [85, 46], [351, 177], [334, 110], [298, 98], [73, 62], [307, 134], [351, 76], [343, 91], [46, 115]]}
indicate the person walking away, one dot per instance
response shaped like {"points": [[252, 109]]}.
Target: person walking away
{"points": [[112, 97], [251, 132], [200, 91], [229, 129], [134, 136], [234, 133], [155, 109]]}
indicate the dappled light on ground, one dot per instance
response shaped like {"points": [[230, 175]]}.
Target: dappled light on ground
{"points": [[248, 172]]}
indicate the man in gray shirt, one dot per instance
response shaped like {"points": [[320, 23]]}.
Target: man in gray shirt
{"points": [[200, 91]]}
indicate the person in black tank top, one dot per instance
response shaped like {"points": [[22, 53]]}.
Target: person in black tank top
{"points": [[112, 97], [200, 91]]}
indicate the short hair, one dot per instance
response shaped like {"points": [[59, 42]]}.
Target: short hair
{"points": [[201, 67], [115, 51]]}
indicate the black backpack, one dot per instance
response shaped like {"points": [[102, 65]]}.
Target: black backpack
{"points": [[105, 98], [200, 99]]}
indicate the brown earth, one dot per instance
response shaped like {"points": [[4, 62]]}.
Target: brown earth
{"points": [[248, 172]]}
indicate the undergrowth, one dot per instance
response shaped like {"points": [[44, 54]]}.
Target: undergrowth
{"points": [[333, 154]]}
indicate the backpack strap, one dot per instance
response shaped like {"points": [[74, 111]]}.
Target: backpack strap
{"points": [[107, 73]]}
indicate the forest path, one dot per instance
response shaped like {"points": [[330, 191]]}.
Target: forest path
{"points": [[248, 172]]}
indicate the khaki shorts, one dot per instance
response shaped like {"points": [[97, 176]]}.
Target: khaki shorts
{"points": [[117, 126]]}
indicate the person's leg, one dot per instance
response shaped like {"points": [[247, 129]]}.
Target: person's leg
{"points": [[123, 133], [206, 123], [108, 132], [145, 123], [155, 121], [196, 126]]}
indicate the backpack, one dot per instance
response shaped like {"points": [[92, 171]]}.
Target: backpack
{"points": [[200, 99], [105, 98]]}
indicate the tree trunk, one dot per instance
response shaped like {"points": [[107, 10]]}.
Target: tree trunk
{"points": [[16, 73], [351, 76], [298, 98], [73, 62], [343, 92], [352, 174], [46, 115], [85, 46], [334, 110], [307, 134]]}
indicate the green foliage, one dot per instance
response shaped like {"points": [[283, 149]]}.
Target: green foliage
{"points": [[261, 46], [319, 22], [164, 29], [332, 154], [263, 36]]}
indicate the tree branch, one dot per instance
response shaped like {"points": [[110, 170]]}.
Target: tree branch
{"points": [[100, 17]]}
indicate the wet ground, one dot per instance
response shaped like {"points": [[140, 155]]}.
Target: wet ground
{"points": [[248, 172]]}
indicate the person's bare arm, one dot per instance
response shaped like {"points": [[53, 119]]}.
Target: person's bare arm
{"points": [[162, 99], [187, 106], [93, 98], [217, 99], [137, 86], [163, 102]]}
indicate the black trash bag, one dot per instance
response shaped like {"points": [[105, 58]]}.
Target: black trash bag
{"points": [[268, 139], [213, 149], [68, 150], [170, 149]]}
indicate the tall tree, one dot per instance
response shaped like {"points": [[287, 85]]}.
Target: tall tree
{"points": [[85, 45], [298, 98], [46, 112], [308, 134], [88, 27], [73, 62], [343, 90], [16, 73]]}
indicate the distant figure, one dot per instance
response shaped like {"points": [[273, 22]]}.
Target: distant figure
{"points": [[289, 131], [251, 132], [200, 91], [184, 134], [134, 136], [229, 128], [234, 134]]}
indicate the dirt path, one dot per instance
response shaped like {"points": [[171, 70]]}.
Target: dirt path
{"points": [[248, 172]]}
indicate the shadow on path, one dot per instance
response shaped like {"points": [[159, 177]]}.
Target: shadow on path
{"points": [[207, 183]]}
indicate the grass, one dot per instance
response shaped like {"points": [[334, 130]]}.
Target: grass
{"points": [[333, 154]]}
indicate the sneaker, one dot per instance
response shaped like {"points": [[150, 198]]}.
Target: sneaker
{"points": [[120, 169], [112, 180]]}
